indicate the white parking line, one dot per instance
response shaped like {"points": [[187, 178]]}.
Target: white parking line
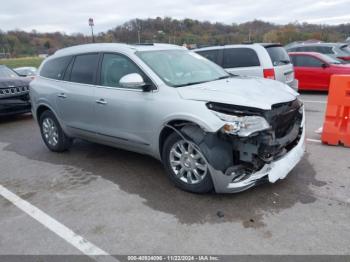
{"points": [[311, 101], [56, 227], [314, 140]]}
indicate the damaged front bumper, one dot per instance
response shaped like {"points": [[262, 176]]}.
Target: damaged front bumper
{"points": [[273, 171]]}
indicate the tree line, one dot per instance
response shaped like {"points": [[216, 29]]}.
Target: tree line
{"points": [[167, 30]]}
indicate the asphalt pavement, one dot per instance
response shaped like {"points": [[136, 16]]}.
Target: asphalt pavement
{"points": [[122, 202]]}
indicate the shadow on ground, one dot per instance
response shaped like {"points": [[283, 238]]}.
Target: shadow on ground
{"points": [[144, 176]]}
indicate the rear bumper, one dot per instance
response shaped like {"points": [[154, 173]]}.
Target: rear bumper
{"points": [[276, 170], [14, 106]]}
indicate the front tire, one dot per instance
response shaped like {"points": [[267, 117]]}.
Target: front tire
{"points": [[52, 134], [186, 166]]}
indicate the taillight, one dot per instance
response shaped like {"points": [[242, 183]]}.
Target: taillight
{"points": [[269, 74], [345, 58]]}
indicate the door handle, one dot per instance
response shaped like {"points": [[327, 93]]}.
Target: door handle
{"points": [[101, 101], [62, 95]]}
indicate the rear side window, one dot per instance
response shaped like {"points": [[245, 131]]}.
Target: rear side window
{"points": [[317, 49], [84, 69], [324, 49], [306, 61], [212, 55], [240, 57], [320, 49], [278, 55], [55, 68]]}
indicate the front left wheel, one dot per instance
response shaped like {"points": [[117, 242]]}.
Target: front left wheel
{"points": [[186, 166], [51, 132]]}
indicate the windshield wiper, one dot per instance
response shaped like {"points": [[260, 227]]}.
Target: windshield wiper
{"points": [[191, 83], [224, 77], [201, 82]]}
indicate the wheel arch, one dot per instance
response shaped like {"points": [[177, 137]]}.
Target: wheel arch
{"points": [[168, 129], [41, 108]]}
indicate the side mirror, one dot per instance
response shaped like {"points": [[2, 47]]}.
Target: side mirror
{"points": [[133, 80], [324, 65]]}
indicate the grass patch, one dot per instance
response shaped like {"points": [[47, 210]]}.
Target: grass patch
{"points": [[23, 61]]}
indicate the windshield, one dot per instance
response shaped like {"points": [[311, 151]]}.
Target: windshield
{"points": [[6, 72], [279, 55], [25, 72], [181, 67]]}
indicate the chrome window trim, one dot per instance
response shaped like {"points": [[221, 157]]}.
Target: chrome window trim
{"points": [[110, 87]]}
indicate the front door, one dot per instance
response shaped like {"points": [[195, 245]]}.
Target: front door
{"points": [[311, 73], [122, 113]]}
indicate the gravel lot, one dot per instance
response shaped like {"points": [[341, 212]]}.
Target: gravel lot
{"points": [[123, 203]]}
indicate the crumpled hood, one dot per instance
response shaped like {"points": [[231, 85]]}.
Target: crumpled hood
{"points": [[14, 82], [244, 91]]}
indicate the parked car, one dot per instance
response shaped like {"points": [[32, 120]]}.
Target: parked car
{"points": [[26, 71], [211, 130], [259, 60], [336, 50], [314, 70], [14, 93]]}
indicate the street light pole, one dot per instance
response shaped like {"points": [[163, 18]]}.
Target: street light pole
{"points": [[91, 24]]}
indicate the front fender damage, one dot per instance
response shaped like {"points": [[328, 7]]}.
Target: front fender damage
{"points": [[236, 163]]}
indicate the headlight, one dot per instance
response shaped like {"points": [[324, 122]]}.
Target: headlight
{"points": [[242, 125]]}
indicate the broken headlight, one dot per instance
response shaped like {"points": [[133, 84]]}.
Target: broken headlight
{"points": [[242, 125]]}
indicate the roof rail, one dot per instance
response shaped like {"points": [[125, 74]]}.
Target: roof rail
{"points": [[142, 44]]}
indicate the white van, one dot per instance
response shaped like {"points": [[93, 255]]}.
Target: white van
{"points": [[259, 60]]}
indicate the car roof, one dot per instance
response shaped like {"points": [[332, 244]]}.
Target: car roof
{"points": [[267, 45], [304, 53], [320, 44], [252, 46], [113, 47]]}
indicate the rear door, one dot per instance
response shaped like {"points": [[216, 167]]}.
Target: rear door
{"points": [[284, 71], [76, 97], [242, 61]]}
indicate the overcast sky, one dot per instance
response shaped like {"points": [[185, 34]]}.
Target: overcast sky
{"points": [[71, 16]]}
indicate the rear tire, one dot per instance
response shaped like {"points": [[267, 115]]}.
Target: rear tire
{"points": [[52, 134], [186, 166]]}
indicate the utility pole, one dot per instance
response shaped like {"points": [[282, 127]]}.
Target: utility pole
{"points": [[91, 24]]}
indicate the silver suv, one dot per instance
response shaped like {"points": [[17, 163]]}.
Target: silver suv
{"points": [[211, 130], [261, 60], [339, 51]]}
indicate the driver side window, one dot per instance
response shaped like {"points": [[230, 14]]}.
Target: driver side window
{"points": [[114, 67], [307, 61]]}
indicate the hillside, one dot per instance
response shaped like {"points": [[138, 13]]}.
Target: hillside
{"points": [[20, 43]]}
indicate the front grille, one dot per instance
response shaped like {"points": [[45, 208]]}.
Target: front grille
{"points": [[283, 117], [14, 91]]}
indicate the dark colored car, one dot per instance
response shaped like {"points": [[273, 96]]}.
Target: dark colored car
{"points": [[314, 70], [14, 92], [336, 50]]}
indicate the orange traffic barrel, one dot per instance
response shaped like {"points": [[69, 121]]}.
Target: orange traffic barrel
{"points": [[336, 128]]}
